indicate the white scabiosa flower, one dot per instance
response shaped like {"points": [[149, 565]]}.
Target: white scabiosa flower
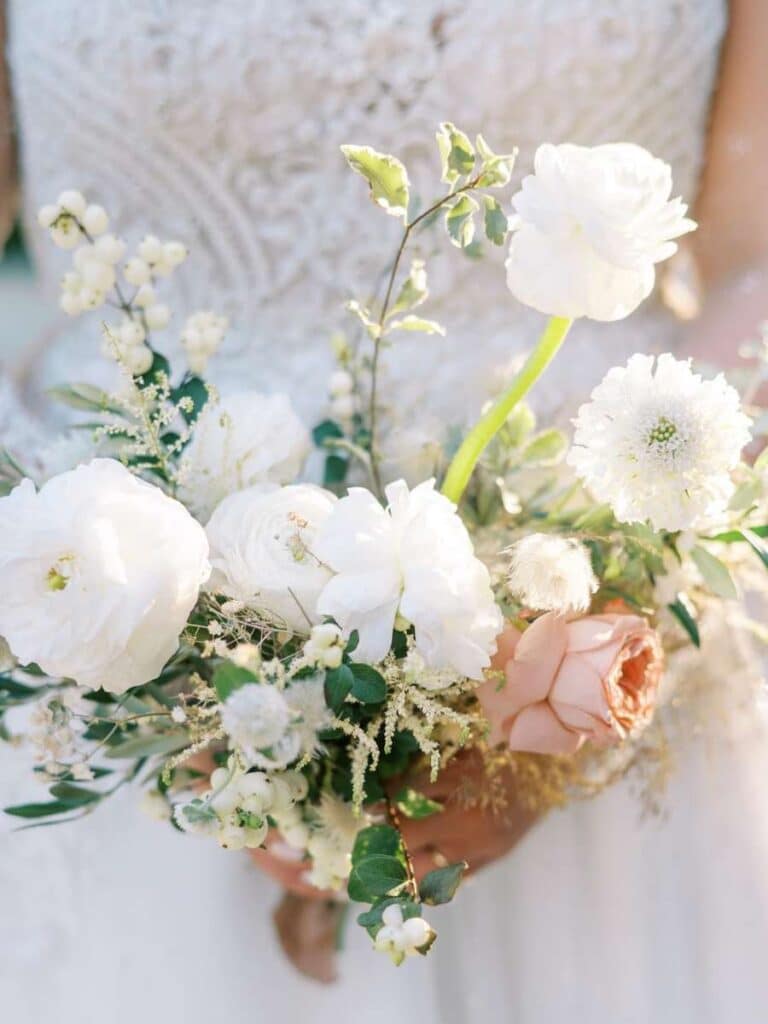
{"points": [[262, 551], [257, 717], [246, 438], [591, 224], [550, 573], [414, 559], [658, 443], [100, 571]]}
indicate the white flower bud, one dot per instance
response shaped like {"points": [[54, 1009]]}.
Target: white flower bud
{"points": [[138, 359], [70, 303], [66, 233], [47, 214], [97, 275], [131, 333], [137, 271], [109, 248], [343, 406], [95, 220], [151, 249], [145, 296], [174, 253], [340, 383], [157, 316], [73, 202]]}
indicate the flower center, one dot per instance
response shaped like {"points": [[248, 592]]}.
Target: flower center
{"points": [[60, 573], [661, 435]]}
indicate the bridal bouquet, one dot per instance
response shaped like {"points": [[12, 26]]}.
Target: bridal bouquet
{"points": [[279, 662]]}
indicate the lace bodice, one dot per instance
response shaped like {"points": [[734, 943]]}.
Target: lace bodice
{"points": [[221, 126]]}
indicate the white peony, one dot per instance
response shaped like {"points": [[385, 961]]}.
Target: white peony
{"points": [[415, 559], [659, 444], [245, 439], [100, 572], [551, 573], [263, 550], [591, 224]]}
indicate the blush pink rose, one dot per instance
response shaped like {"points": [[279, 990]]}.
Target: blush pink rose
{"points": [[594, 678]]}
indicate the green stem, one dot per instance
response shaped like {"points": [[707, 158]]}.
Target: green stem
{"points": [[476, 441]]}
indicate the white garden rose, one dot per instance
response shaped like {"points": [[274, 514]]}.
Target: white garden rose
{"points": [[100, 572], [591, 224], [245, 439], [262, 551], [415, 559]]}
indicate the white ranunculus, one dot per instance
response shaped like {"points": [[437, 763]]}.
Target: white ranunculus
{"points": [[659, 444], [591, 224], [100, 572], [263, 550], [414, 558], [245, 439]]}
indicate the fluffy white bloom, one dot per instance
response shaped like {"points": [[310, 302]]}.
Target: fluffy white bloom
{"points": [[257, 718], [245, 439], [400, 937], [202, 335], [334, 829], [306, 699], [415, 559], [100, 571], [262, 550], [659, 444], [551, 573], [591, 224]]}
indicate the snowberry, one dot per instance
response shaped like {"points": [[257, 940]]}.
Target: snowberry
{"points": [[95, 220], [137, 271], [157, 316]]}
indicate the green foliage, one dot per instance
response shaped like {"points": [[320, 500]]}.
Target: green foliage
{"points": [[229, 677], [368, 686], [546, 449], [85, 397], [494, 221], [440, 885], [416, 323], [338, 685], [459, 220], [140, 745], [496, 169], [684, 612], [378, 864], [714, 573], [196, 391], [456, 153], [415, 805], [413, 290], [386, 176], [372, 919]]}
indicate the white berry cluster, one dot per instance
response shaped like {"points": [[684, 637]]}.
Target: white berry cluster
{"points": [[341, 388], [73, 223], [201, 338], [401, 937], [239, 804], [325, 646]]}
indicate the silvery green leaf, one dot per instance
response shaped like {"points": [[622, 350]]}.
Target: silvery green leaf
{"points": [[746, 494], [459, 221], [497, 169], [520, 423], [495, 221], [364, 316], [84, 396], [414, 289], [715, 573], [386, 177], [684, 612], [142, 745], [417, 323], [456, 152], [546, 448]]}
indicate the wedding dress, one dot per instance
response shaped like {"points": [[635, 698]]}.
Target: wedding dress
{"points": [[220, 125]]}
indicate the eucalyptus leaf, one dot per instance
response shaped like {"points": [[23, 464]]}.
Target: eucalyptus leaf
{"points": [[149, 746], [416, 323], [386, 177], [682, 610], [440, 885], [459, 221], [75, 796], [39, 810], [84, 396], [715, 573]]}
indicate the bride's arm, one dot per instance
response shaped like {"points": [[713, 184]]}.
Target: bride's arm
{"points": [[730, 248], [8, 186]]}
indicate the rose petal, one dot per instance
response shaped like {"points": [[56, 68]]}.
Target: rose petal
{"points": [[537, 730]]}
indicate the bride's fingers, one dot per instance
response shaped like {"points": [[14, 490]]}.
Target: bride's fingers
{"points": [[289, 872]]}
